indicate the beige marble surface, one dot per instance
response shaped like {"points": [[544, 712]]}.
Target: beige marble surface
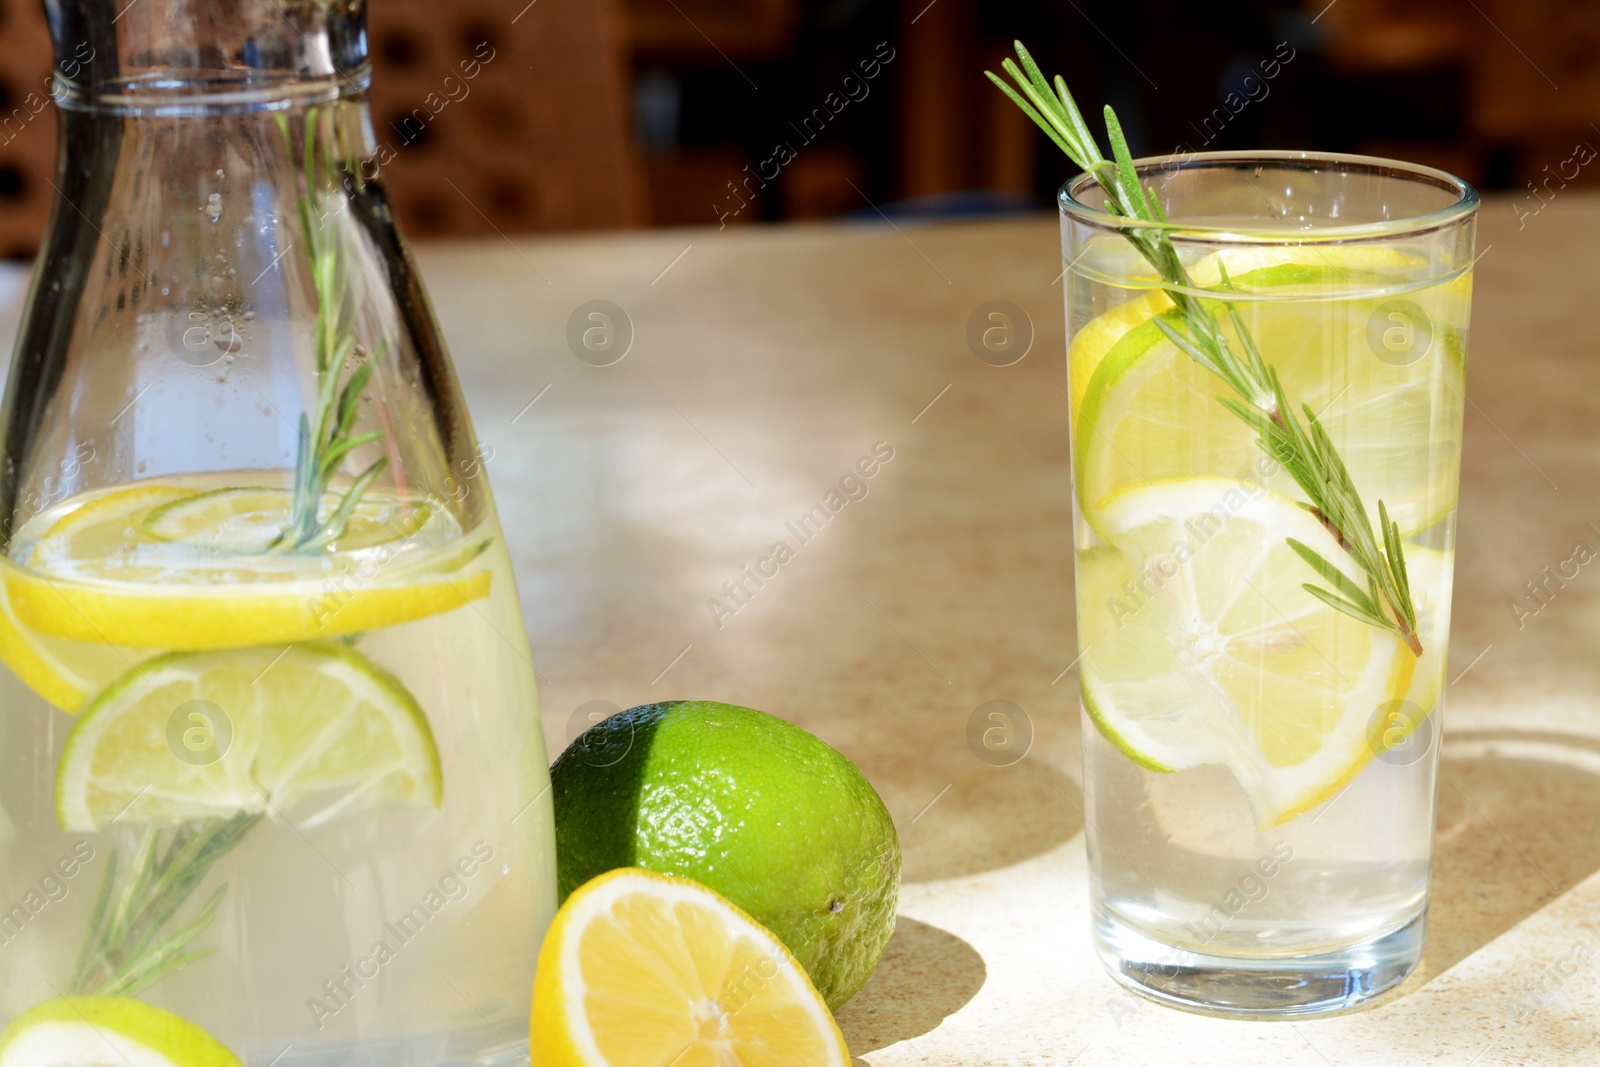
{"points": [[765, 363]]}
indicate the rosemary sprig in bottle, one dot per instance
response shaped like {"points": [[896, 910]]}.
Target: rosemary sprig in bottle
{"points": [[1303, 447], [127, 947], [130, 943], [326, 439]]}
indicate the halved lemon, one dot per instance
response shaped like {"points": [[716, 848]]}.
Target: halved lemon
{"points": [[196, 735], [1200, 644], [108, 1032], [642, 969], [1146, 412]]}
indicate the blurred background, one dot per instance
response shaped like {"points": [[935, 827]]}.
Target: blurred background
{"points": [[558, 115]]}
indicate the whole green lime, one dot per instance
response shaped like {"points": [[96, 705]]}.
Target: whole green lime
{"points": [[752, 806]]}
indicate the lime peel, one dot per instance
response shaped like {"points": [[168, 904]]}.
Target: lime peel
{"points": [[93, 1031]]}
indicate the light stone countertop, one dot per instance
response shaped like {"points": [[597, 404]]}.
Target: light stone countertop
{"points": [[766, 362]]}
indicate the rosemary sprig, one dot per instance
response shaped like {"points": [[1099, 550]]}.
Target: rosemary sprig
{"points": [[326, 440], [1303, 447], [128, 947]]}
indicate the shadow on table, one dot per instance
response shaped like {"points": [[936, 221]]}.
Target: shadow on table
{"points": [[926, 975], [1518, 825], [958, 816]]}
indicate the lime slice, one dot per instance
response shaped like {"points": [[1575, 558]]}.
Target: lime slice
{"points": [[196, 735], [108, 1032], [250, 519], [1200, 644], [1146, 412]]}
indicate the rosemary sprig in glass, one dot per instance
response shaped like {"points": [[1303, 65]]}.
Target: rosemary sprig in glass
{"points": [[329, 436], [1303, 447]]}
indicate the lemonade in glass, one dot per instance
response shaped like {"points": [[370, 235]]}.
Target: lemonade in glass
{"points": [[1263, 566]]}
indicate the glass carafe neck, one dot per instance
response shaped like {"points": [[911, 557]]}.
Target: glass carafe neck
{"points": [[179, 56]]}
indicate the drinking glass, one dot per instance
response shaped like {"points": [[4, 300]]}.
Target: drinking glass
{"points": [[1259, 748], [270, 759]]}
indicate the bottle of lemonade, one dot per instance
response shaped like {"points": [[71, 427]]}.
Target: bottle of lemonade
{"points": [[272, 780]]}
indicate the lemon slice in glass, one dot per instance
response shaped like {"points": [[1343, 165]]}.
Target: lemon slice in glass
{"points": [[1146, 412], [642, 969], [101, 1031], [1200, 644], [196, 735]]}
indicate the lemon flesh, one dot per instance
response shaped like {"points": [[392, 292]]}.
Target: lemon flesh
{"points": [[249, 519], [108, 1032], [1201, 646], [196, 735], [641, 969], [170, 566], [1146, 412]]}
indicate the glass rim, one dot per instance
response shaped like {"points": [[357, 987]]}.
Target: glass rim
{"points": [[1466, 203]]}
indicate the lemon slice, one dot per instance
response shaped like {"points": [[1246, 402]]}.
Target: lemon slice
{"points": [[108, 1032], [1200, 644], [196, 735], [249, 519], [63, 672], [168, 566], [642, 969], [1146, 412]]}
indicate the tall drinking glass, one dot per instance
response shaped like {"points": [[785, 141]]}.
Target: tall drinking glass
{"points": [[1261, 685]]}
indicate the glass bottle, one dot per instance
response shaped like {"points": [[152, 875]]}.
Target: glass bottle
{"points": [[270, 757]]}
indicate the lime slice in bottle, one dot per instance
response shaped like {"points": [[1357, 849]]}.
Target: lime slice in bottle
{"points": [[108, 1032], [1200, 644], [196, 735], [1146, 412]]}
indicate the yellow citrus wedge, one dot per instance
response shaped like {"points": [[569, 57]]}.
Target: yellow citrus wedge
{"points": [[642, 969], [167, 566], [1144, 411], [1200, 644], [199, 735]]}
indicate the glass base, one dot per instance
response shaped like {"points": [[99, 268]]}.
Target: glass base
{"points": [[1255, 988]]}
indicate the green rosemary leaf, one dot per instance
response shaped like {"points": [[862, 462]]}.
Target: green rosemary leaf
{"points": [[334, 528], [1187, 345], [151, 971], [1074, 117], [1045, 110], [1154, 201], [337, 452], [97, 918], [1352, 610], [1127, 177], [1035, 77], [1334, 576], [1033, 113], [350, 398]]}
